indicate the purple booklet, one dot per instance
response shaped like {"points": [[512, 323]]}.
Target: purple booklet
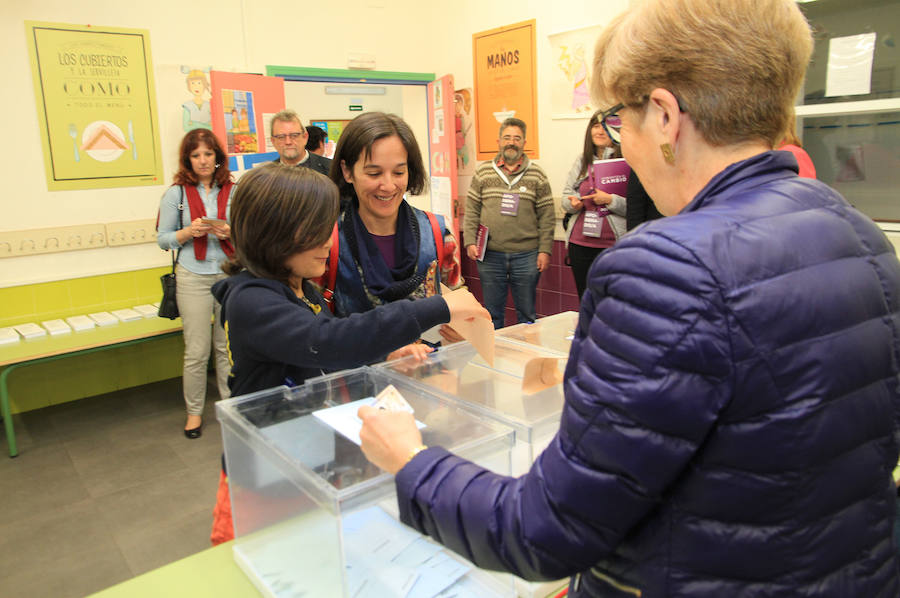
{"points": [[610, 176]]}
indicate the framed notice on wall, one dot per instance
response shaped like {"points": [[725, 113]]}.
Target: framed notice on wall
{"points": [[505, 74], [96, 105]]}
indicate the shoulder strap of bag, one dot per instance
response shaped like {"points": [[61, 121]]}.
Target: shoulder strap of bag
{"points": [[438, 237], [177, 255], [328, 291]]}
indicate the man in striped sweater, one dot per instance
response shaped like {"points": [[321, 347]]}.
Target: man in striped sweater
{"points": [[510, 196]]}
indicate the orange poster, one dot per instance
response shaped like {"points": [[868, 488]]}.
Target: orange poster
{"points": [[505, 74]]}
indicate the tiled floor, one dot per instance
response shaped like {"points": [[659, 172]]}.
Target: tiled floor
{"points": [[104, 489]]}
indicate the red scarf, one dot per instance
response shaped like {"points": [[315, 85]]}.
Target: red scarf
{"points": [[196, 209]]}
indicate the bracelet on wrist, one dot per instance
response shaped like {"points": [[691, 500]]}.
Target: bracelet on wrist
{"points": [[415, 452]]}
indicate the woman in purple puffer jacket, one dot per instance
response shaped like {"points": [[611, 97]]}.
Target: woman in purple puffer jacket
{"points": [[732, 393]]}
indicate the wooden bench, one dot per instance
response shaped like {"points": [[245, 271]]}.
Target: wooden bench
{"points": [[49, 348]]}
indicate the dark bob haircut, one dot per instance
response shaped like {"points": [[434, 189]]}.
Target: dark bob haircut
{"points": [[276, 212], [356, 142]]}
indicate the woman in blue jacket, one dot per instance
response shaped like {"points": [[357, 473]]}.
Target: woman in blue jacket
{"points": [[388, 250], [732, 400]]}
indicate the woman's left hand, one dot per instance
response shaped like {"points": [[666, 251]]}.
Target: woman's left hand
{"points": [[449, 334], [418, 350], [222, 231], [388, 437], [600, 198]]}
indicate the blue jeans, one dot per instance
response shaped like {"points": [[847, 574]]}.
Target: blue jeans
{"points": [[500, 271]]}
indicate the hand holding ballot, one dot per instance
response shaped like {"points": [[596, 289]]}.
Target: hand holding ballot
{"points": [[389, 438], [470, 321], [221, 230], [464, 307], [199, 228]]}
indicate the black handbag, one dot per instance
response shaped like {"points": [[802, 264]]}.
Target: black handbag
{"points": [[168, 305]]}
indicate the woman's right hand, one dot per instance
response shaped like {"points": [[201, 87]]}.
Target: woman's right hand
{"points": [[199, 229], [575, 202], [464, 307]]}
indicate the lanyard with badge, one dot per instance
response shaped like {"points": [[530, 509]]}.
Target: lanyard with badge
{"points": [[509, 203], [592, 225]]}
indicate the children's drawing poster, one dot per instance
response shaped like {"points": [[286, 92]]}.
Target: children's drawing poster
{"points": [[240, 122], [570, 78], [195, 112], [96, 104], [240, 105]]}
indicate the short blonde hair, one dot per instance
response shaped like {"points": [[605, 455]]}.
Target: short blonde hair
{"points": [[285, 116], [735, 66]]}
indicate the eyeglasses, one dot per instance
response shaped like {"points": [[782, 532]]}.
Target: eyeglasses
{"points": [[508, 138], [612, 123], [293, 136]]}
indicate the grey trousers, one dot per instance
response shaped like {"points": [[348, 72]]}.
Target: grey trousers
{"points": [[200, 315]]}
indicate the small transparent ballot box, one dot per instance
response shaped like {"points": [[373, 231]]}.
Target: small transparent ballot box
{"points": [[522, 389], [551, 332], [312, 517]]}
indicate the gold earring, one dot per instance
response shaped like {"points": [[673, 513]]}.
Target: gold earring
{"points": [[668, 153]]}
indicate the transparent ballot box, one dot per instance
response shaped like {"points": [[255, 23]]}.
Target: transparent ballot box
{"points": [[312, 517], [522, 389], [551, 332]]}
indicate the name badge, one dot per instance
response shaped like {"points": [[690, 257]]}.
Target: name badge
{"points": [[592, 226], [509, 204]]}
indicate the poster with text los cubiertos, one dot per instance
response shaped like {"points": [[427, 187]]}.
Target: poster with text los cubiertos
{"points": [[96, 105]]}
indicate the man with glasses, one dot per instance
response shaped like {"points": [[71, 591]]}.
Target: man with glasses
{"points": [[289, 138], [510, 196]]}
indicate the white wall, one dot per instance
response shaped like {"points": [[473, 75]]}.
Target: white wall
{"points": [[310, 98], [560, 140], [403, 35]]}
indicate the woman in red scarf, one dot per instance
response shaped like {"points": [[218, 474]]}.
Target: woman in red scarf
{"points": [[194, 221]]}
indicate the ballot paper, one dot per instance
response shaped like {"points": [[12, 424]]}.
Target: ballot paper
{"points": [[79, 323], [8, 335], [390, 399], [30, 330], [541, 373], [126, 315], [479, 332], [147, 310], [344, 420], [382, 557], [103, 318], [55, 327], [386, 558]]}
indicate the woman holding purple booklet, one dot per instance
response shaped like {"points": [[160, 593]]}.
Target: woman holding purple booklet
{"points": [[594, 203]]}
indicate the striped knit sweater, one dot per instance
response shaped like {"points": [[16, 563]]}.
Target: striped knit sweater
{"points": [[532, 226]]}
